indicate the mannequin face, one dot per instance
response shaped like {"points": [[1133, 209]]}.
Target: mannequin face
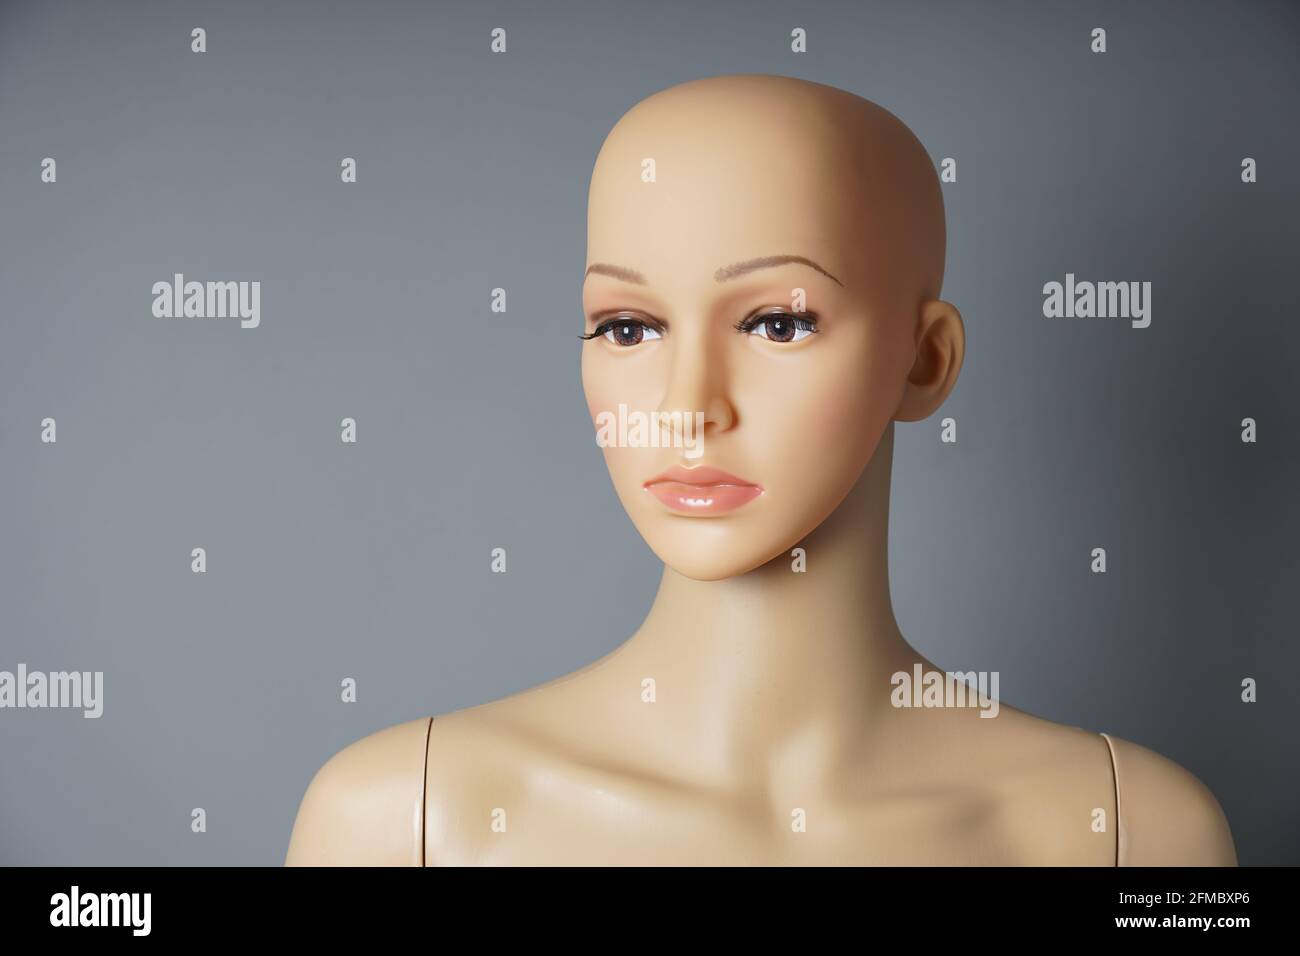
{"points": [[693, 288]]}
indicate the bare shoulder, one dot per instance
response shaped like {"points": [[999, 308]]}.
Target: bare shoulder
{"points": [[481, 761], [365, 805], [1049, 785], [1054, 778], [1168, 817]]}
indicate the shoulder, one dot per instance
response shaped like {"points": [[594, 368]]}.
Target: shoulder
{"points": [[1048, 784], [1168, 817], [1058, 775], [365, 805]]}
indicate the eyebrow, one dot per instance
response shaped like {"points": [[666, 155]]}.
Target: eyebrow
{"points": [[722, 275], [617, 272], [767, 262]]}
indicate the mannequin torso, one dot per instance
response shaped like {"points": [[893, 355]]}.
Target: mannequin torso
{"points": [[535, 778]]}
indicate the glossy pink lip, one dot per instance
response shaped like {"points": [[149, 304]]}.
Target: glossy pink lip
{"points": [[702, 490]]}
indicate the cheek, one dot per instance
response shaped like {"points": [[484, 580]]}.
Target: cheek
{"points": [[609, 381], [595, 385], [831, 408]]}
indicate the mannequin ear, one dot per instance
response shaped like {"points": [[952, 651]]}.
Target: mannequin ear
{"points": [[940, 347]]}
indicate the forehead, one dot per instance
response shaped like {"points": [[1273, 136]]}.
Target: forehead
{"points": [[675, 194]]}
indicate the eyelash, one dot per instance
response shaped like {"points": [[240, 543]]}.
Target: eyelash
{"points": [[803, 322], [614, 321]]}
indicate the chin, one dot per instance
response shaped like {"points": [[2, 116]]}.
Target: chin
{"points": [[715, 555]]}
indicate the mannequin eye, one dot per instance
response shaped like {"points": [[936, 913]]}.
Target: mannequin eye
{"points": [[779, 326], [624, 331]]}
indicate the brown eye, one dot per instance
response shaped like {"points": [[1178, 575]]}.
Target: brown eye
{"points": [[780, 329], [626, 332], [779, 326]]}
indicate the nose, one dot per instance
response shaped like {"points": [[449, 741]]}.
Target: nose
{"points": [[697, 382]]}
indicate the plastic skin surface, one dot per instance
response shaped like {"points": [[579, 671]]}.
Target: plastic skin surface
{"points": [[765, 256]]}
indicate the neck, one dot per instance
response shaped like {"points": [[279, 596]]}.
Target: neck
{"points": [[778, 666]]}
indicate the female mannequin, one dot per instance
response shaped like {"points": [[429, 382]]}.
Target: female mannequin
{"points": [[768, 253]]}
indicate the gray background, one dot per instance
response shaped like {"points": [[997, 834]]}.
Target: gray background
{"points": [[372, 561]]}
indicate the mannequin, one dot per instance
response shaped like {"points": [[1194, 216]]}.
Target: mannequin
{"points": [[774, 271]]}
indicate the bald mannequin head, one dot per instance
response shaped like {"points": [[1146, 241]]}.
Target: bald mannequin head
{"points": [[828, 160], [766, 254]]}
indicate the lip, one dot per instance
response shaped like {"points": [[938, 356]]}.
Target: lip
{"points": [[702, 490]]}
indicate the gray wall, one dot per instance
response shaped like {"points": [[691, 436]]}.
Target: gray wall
{"points": [[371, 561]]}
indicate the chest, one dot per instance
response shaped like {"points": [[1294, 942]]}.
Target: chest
{"points": [[643, 826]]}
